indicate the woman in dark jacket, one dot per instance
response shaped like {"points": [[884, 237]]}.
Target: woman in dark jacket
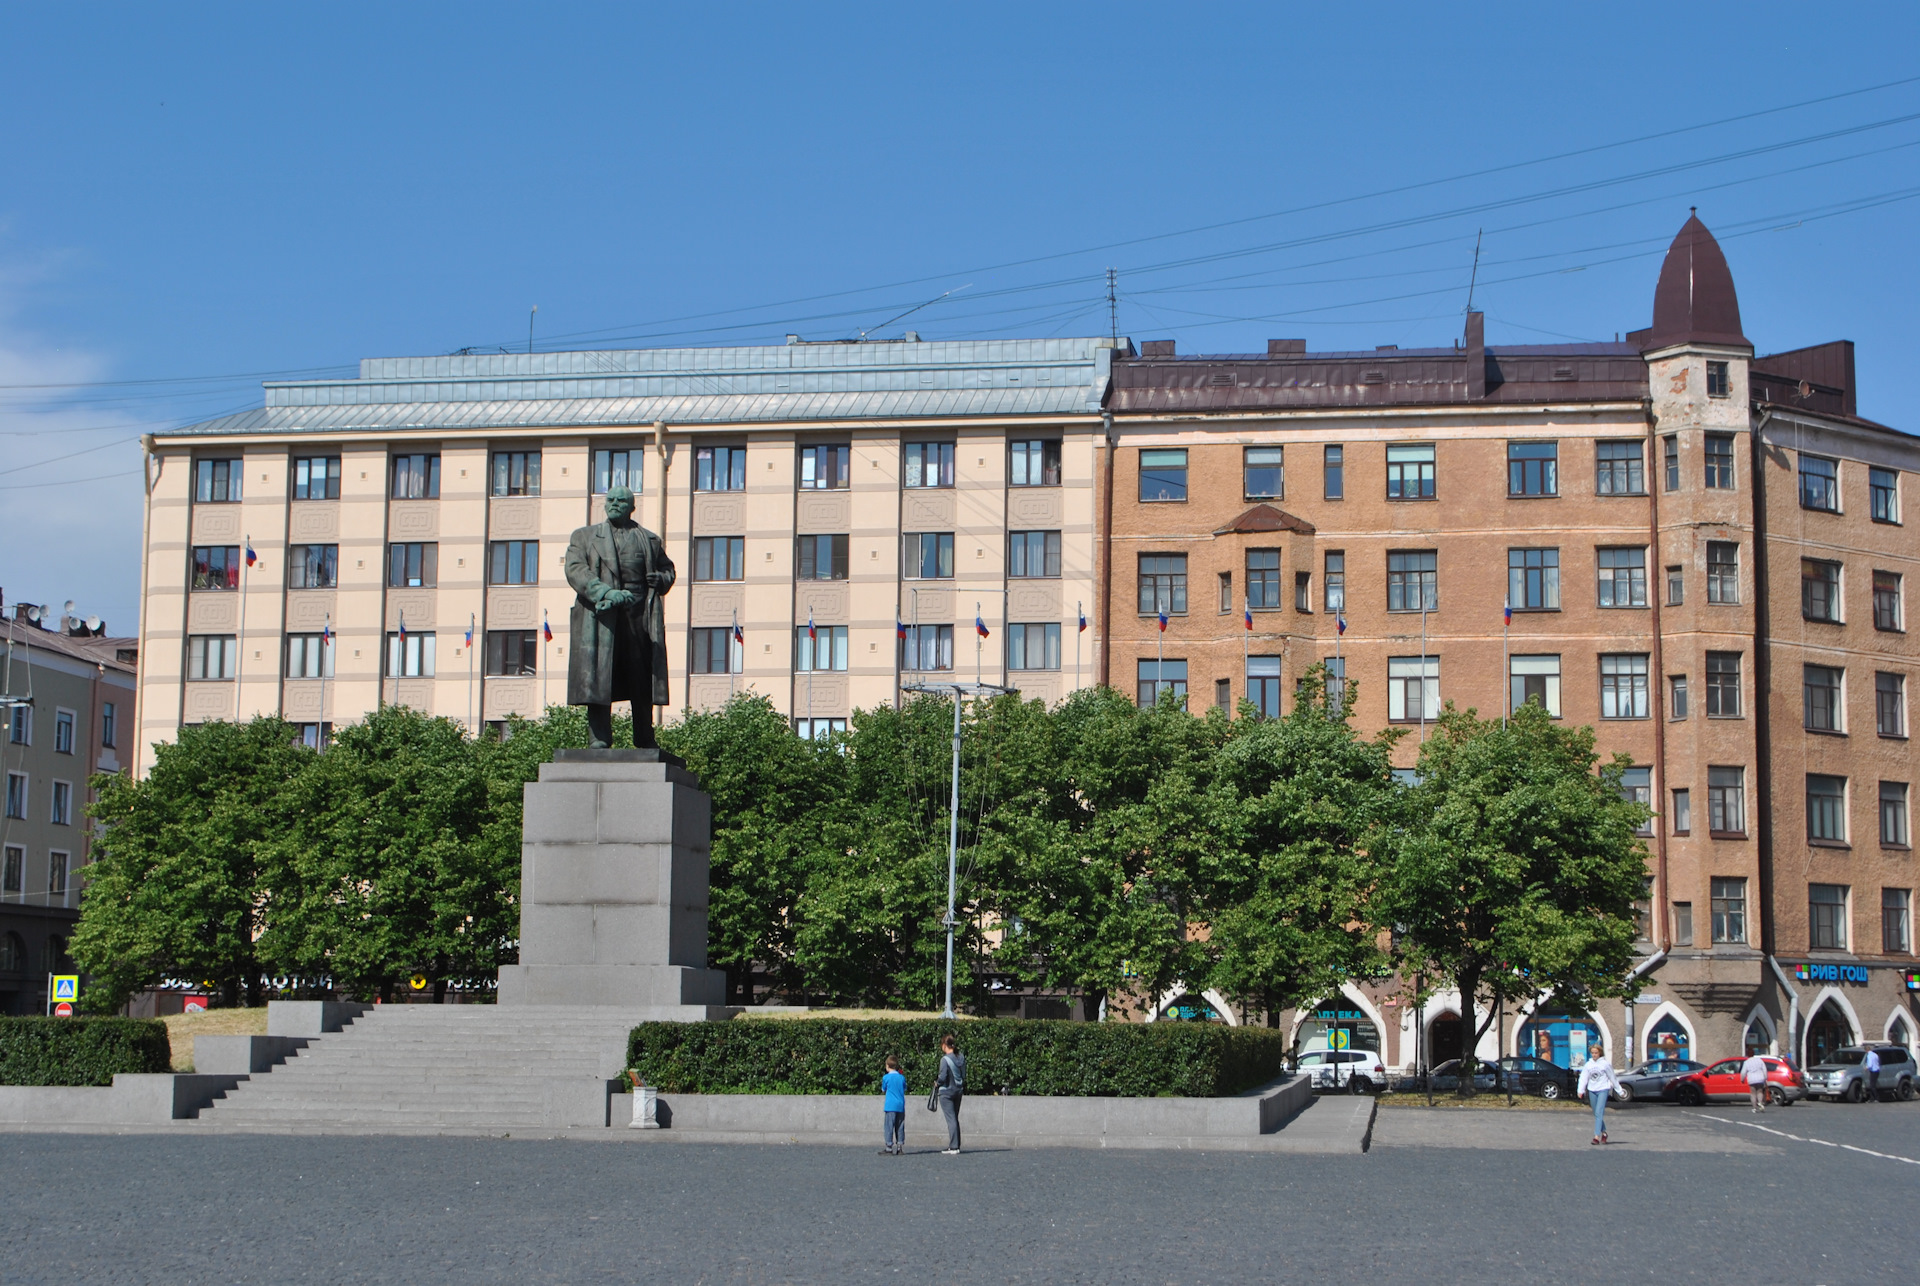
{"points": [[951, 1084]]}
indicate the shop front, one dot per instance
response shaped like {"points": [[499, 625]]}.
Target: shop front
{"points": [[1337, 1024], [1564, 1037]]}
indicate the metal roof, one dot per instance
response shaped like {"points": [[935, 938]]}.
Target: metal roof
{"points": [[691, 386]]}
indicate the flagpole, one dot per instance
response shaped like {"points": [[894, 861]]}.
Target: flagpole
{"points": [[471, 621], [1506, 663], [1339, 628], [813, 663], [1246, 639], [240, 639], [1423, 666], [1077, 613], [326, 652], [732, 635], [544, 633], [977, 636]]}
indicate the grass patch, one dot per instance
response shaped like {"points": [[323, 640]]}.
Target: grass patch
{"points": [[182, 1028], [1495, 1101], [864, 1015]]}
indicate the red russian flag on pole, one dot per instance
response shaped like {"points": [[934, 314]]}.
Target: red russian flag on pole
{"points": [[980, 626], [1163, 621], [1249, 616], [1341, 621], [252, 557], [1509, 613], [546, 630], [899, 628], [810, 634], [1083, 622], [739, 635], [403, 627]]}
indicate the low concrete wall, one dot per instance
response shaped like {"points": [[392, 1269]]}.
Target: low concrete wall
{"points": [[244, 1055], [132, 1099]]}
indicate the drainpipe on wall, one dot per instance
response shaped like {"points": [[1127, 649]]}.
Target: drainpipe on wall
{"points": [[660, 451], [1762, 685], [1661, 793], [1793, 1009], [1106, 560], [150, 466]]}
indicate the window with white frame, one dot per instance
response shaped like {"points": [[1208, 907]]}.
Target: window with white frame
{"points": [[1033, 646], [410, 655], [1826, 808], [819, 647], [61, 813], [1413, 688], [1827, 916], [1537, 679], [211, 656], [1624, 686], [63, 732]]}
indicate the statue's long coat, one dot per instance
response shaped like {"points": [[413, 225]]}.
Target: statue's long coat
{"points": [[592, 569]]}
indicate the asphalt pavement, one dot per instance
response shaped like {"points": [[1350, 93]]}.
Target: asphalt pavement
{"points": [[1821, 1194]]}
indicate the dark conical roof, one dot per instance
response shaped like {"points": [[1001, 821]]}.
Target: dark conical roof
{"points": [[1695, 300]]}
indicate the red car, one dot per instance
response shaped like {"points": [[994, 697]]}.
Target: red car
{"points": [[1723, 1083]]}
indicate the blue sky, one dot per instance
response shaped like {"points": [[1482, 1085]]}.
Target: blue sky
{"points": [[207, 195]]}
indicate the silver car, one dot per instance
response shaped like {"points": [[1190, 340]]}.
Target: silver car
{"points": [[1843, 1078]]}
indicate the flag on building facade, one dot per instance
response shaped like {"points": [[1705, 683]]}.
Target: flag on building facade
{"points": [[1163, 621], [546, 630]]}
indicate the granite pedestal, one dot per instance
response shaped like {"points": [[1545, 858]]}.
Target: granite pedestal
{"points": [[613, 888]]}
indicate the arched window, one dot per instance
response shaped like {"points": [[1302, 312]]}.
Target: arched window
{"points": [[1899, 1033], [1758, 1038], [1444, 1038], [13, 954], [1561, 1036], [1668, 1039], [1191, 1009], [1828, 1031]]}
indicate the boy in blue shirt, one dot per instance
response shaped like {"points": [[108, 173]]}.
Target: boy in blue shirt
{"points": [[893, 1109]]}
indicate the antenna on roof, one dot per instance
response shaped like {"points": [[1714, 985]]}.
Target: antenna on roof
{"points": [[1113, 305], [1475, 279], [530, 317], [910, 312]]}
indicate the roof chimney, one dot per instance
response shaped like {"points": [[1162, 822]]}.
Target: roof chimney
{"points": [[1156, 348], [1282, 347], [1476, 355]]}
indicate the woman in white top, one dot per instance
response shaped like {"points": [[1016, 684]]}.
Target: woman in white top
{"points": [[1597, 1081]]}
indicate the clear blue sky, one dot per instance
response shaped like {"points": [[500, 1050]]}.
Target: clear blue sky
{"points": [[201, 191]]}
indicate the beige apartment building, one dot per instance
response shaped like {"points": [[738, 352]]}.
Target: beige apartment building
{"points": [[1706, 558], [398, 537]]}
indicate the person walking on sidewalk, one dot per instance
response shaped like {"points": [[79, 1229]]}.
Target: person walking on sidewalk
{"points": [[1597, 1081], [949, 1088], [893, 1109], [1754, 1073], [1871, 1066]]}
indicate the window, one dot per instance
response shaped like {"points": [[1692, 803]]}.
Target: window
{"points": [[1334, 587], [1682, 811], [17, 784], [1263, 579], [826, 468], [1717, 385], [820, 647], [513, 562], [63, 732], [818, 729], [1223, 695], [1157, 678], [216, 566], [1410, 473], [1163, 476], [516, 473], [823, 558], [618, 468], [1336, 681], [57, 874], [1033, 647], [929, 555], [720, 469], [1333, 472], [1620, 469], [1535, 678], [1821, 686], [1533, 580], [1226, 592], [217, 482], [929, 464], [1033, 553], [308, 657], [1263, 685], [409, 655], [1413, 581], [1827, 916], [1723, 572], [413, 565], [1727, 801], [313, 566], [927, 647], [1819, 483], [107, 724], [1723, 685], [1720, 461], [12, 881], [1636, 787], [211, 656], [1413, 688], [416, 477], [1670, 457], [1676, 586], [1683, 924], [1895, 932], [1623, 577], [1886, 601], [1890, 704], [316, 477], [20, 726], [1729, 909], [1034, 464], [1623, 686], [62, 804], [716, 651], [1677, 693], [1893, 814], [1163, 584], [1883, 488], [318, 736], [513, 653], [1303, 591], [1533, 468], [1820, 590], [719, 558], [1826, 808], [1265, 475]]}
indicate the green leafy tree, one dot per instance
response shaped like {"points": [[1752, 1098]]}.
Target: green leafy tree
{"points": [[175, 887], [1513, 864]]}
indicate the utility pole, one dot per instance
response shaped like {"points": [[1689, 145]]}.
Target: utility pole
{"points": [[1113, 304]]}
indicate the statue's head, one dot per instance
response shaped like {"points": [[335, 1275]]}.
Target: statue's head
{"points": [[619, 503]]}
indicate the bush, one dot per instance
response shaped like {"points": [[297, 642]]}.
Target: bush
{"points": [[1004, 1056], [80, 1051]]}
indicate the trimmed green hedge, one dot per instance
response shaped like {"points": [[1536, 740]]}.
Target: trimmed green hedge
{"points": [[1010, 1056], [80, 1051]]}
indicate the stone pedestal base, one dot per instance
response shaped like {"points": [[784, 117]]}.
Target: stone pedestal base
{"points": [[613, 888]]}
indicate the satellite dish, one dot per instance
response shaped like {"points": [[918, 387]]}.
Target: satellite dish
{"points": [[68, 610], [93, 623], [34, 613]]}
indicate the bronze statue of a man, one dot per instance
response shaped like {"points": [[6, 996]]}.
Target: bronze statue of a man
{"points": [[619, 570]]}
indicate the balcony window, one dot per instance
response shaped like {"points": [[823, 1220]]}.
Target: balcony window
{"points": [[1413, 688], [1883, 489], [1720, 461], [1263, 579], [1620, 468], [717, 468], [313, 566], [1827, 916], [1410, 473], [823, 557], [1334, 473], [826, 468], [1820, 590], [1033, 554], [1536, 679], [1820, 686], [1034, 646], [216, 566], [1893, 814], [1819, 483], [716, 651], [1723, 685], [316, 477], [414, 565], [929, 555], [1264, 474], [618, 467], [1533, 580], [1727, 801], [1163, 584], [1729, 910], [1826, 809], [1413, 580], [416, 477], [927, 647], [516, 473], [513, 653], [720, 558], [1034, 464], [1154, 679], [217, 482], [929, 464], [1623, 686], [1886, 601], [1163, 476], [1623, 577], [1890, 704], [1533, 468]]}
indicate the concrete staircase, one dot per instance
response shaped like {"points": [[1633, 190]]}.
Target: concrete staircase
{"points": [[443, 1067]]}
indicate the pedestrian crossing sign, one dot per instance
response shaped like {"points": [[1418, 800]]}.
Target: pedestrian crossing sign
{"points": [[66, 986]]}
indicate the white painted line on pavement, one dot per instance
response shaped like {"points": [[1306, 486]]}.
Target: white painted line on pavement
{"points": [[1754, 1125]]}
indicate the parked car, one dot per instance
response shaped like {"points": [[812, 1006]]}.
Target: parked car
{"points": [[1654, 1079], [1356, 1071], [1723, 1083], [1843, 1077], [1447, 1077], [1529, 1075]]}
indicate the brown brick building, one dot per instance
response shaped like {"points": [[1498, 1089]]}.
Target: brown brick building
{"points": [[1706, 559]]}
